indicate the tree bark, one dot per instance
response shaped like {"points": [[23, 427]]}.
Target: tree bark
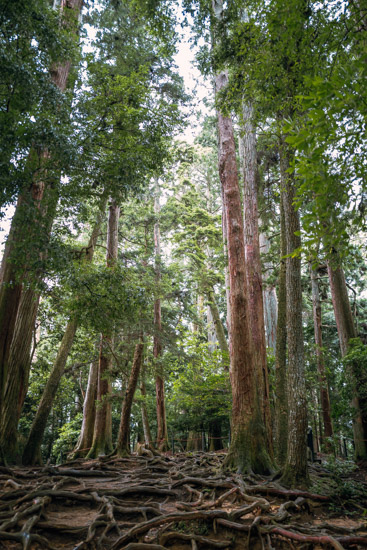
{"points": [[347, 331], [17, 380], [295, 470], [31, 218], [281, 404], [144, 413], [249, 450], [324, 390], [32, 454], [102, 438], [218, 325], [85, 439], [162, 434], [124, 429], [253, 266], [269, 299]]}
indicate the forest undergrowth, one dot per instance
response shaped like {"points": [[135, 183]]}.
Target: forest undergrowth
{"points": [[182, 501]]}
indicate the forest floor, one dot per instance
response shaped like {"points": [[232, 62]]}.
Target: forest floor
{"points": [[182, 502]]}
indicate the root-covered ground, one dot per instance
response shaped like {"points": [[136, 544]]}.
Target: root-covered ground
{"points": [[181, 502]]}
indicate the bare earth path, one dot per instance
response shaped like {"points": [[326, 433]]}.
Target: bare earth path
{"points": [[181, 502]]}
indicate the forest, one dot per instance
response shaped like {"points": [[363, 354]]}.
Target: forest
{"points": [[183, 280]]}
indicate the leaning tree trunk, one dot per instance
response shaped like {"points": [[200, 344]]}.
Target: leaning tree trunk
{"points": [[347, 331], [31, 454], [31, 223], [85, 439], [162, 434], [249, 446], [122, 448], [324, 390], [295, 470], [253, 267], [217, 322], [281, 404], [102, 438]]}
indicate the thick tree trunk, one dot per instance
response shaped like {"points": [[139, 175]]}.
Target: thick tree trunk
{"points": [[253, 266], [30, 218], [281, 404], [124, 429], [162, 434], [102, 438], [249, 447], [347, 331], [85, 439], [324, 390], [31, 452], [269, 298], [295, 470], [17, 380]]}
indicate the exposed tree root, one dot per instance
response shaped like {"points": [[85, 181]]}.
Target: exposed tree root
{"points": [[143, 502]]}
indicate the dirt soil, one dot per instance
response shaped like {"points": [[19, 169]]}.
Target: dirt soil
{"points": [[181, 502]]}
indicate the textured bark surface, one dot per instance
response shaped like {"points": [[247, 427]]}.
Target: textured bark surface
{"points": [[162, 434], [144, 412], [253, 266], [248, 450], [269, 298], [347, 331], [102, 437], [18, 375], [31, 452], [218, 325], [85, 439], [124, 429], [30, 218], [324, 389], [281, 405], [295, 471]]}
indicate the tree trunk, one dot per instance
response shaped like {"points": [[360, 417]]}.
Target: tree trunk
{"points": [[102, 438], [218, 325], [85, 439], [31, 223], [144, 413], [124, 429], [215, 435], [281, 404], [295, 471], [17, 380], [194, 441], [324, 390], [249, 449], [347, 331], [269, 298], [31, 452], [162, 434], [253, 267]]}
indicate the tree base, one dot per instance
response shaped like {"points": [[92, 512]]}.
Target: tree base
{"points": [[291, 479], [248, 452]]}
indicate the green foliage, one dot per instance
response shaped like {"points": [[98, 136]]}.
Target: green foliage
{"points": [[67, 438], [200, 385]]}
